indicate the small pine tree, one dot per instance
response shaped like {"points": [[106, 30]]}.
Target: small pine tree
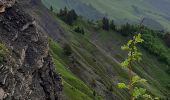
{"points": [[67, 16], [112, 25], [73, 14], [67, 50], [61, 13], [79, 30], [65, 11], [51, 8], [105, 24]]}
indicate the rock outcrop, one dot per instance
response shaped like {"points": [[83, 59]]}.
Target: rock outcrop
{"points": [[27, 73], [6, 4]]}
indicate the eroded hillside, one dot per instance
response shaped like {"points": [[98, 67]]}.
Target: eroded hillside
{"points": [[26, 68]]}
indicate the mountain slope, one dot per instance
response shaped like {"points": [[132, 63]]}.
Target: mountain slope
{"points": [[95, 59], [26, 68], [93, 64], [122, 11]]}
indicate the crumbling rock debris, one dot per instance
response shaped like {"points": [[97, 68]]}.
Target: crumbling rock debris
{"points": [[6, 4], [2, 93], [28, 73]]}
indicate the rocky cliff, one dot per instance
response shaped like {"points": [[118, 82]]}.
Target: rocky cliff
{"points": [[26, 71]]}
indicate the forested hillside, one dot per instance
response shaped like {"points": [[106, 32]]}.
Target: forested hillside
{"points": [[156, 12]]}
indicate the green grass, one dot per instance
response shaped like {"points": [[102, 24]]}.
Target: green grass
{"points": [[74, 88]]}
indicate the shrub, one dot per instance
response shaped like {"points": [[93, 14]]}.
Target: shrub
{"points": [[79, 30], [67, 50]]}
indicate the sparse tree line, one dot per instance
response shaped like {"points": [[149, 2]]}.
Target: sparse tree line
{"points": [[68, 16], [153, 40]]}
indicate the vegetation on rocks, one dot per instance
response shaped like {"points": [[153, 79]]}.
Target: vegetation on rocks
{"points": [[3, 52]]}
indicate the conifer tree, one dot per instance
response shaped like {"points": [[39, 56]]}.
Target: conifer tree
{"points": [[51, 8], [105, 24], [112, 25]]}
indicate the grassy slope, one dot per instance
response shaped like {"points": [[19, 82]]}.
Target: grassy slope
{"points": [[104, 47], [74, 88], [120, 10], [97, 55]]}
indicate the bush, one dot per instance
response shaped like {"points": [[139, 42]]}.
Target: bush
{"points": [[153, 40], [79, 30], [67, 50], [153, 43]]}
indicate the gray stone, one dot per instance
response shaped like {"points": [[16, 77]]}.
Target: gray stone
{"points": [[2, 93], [28, 71]]}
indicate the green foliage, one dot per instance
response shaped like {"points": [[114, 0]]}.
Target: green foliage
{"points": [[137, 92], [67, 50], [68, 16], [105, 24], [133, 55], [3, 52], [51, 8], [74, 88], [127, 29], [154, 44], [137, 79], [149, 97], [79, 30], [94, 93], [112, 25], [122, 86], [152, 71], [153, 41], [166, 38]]}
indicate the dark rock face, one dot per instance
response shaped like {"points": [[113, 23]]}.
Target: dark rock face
{"points": [[28, 73]]}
